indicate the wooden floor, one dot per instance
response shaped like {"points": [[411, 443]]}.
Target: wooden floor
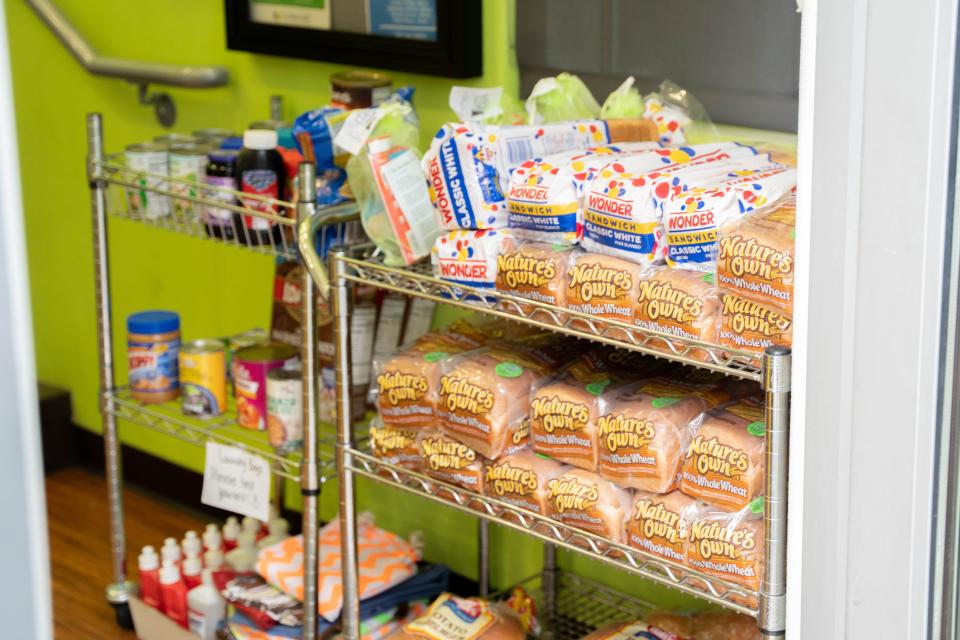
{"points": [[80, 547]]}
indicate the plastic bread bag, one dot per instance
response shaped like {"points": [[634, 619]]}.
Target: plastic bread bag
{"points": [[394, 446], [454, 618], [725, 460], [691, 219], [710, 625], [728, 545], [559, 98], [603, 287], [521, 480], [674, 109], [545, 198], [643, 436], [485, 400], [624, 102], [583, 500], [622, 213], [468, 166], [535, 271], [450, 461], [658, 524], [635, 629], [469, 257], [755, 255], [746, 325], [486, 105], [679, 303]]}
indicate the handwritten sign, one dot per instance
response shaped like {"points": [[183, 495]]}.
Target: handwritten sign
{"points": [[236, 481]]}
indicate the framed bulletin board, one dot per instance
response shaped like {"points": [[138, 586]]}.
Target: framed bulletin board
{"points": [[435, 37]]}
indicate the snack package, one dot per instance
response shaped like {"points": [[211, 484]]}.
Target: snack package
{"points": [[485, 400], [728, 545], [710, 625], [545, 198], [564, 97], [313, 132], [755, 255], [637, 629], [534, 270], [468, 166], [658, 524], [622, 202], [692, 219], [521, 480], [583, 500], [564, 411], [750, 326], [447, 460], [469, 257], [643, 435], [263, 603], [394, 446], [603, 286], [678, 302], [454, 618], [725, 460]]}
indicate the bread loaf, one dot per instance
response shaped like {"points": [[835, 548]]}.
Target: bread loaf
{"points": [[658, 524], [521, 480], [468, 257], [727, 545], [725, 460], [584, 500], [450, 461], [394, 446], [603, 287], [534, 270], [711, 625], [747, 325], [454, 618], [635, 630], [680, 303]]}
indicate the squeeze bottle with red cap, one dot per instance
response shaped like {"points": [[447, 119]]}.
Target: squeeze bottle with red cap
{"points": [[230, 532], [191, 571], [174, 593], [261, 172], [212, 538], [149, 566], [170, 551], [191, 544]]}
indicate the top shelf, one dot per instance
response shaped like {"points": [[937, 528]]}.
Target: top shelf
{"points": [[265, 225], [419, 281]]}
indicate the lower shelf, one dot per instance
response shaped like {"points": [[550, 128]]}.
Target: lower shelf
{"points": [[718, 591], [168, 419], [582, 606]]}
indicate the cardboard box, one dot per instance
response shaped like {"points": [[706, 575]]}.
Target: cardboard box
{"points": [[150, 624]]}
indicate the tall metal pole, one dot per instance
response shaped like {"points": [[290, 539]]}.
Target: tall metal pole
{"points": [[773, 589], [483, 556], [340, 298], [119, 590], [548, 584], [310, 472]]}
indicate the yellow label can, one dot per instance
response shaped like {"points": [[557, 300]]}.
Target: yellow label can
{"points": [[203, 378]]}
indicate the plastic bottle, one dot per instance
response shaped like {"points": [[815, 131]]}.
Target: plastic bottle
{"points": [[149, 568], [261, 171], [170, 551], [174, 593], [279, 531], [191, 570], [213, 559], [244, 557], [254, 526], [191, 544], [205, 608], [230, 532], [212, 538]]}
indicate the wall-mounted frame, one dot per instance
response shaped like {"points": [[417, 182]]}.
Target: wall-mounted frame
{"points": [[434, 37]]}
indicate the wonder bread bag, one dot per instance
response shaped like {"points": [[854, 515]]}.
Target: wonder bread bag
{"points": [[755, 255], [727, 544], [545, 198], [583, 500], [522, 479], [726, 457], [534, 270], [468, 165], [468, 257], [453, 618], [450, 461], [658, 524]]}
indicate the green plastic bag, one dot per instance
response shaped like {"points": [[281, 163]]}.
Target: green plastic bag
{"points": [[562, 98], [623, 102]]}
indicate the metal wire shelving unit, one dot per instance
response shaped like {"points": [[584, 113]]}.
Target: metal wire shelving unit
{"points": [[119, 191]]}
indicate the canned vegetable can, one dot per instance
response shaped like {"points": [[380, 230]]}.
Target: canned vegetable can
{"points": [[251, 366], [203, 379], [285, 409], [147, 158]]}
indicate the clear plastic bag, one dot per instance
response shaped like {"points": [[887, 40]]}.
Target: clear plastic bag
{"points": [[583, 500], [658, 524], [564, 97], [674, 109]]}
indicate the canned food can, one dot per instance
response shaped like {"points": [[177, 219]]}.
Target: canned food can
{"points": [[187, 163], [251, 366], [359, 89], [168, 139], [285, 409], [214, 136], [203, 382], [242, 341], [148, 158]]}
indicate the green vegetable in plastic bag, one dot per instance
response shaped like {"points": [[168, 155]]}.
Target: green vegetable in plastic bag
{"points": [[623, 102], [564, 97]]}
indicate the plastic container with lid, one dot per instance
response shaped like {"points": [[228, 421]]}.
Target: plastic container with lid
{"points": [[153, 350], [261, 171]]}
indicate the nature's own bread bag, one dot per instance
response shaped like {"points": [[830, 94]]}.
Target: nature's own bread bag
{"points": [[522, 479], [726, 544], [725, 460], [658, 524], [711, 625], [603, 287], [394, 446], [584, 500], [633, 630], [450, 461], [746, 325], [678, 302], [534, 270]]}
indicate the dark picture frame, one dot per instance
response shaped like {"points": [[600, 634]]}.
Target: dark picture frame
{"points": [[456, 53]]}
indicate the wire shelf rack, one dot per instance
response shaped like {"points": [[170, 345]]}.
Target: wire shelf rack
{"points": [[712, 589], [254, 222], [168, 419], [419, 281]]}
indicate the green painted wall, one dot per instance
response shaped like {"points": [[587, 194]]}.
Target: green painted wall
{"points": [[218, 290]]}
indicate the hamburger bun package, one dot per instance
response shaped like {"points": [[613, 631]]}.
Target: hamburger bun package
{"points": [[747, 325], [658, 524], [468, 166], [534, 270], [755, 255], [468, 257], [604, 287], [545, 198], [725, 460], [728, 545], [521, 480], [584, 500], [450, 461], [453, 618], [394, 446]]}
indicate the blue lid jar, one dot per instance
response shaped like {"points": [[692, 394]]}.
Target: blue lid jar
{"points": [[151, 322]]}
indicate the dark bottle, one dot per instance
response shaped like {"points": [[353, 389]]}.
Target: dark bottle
{"points": [[222, 172], [261, 171]]}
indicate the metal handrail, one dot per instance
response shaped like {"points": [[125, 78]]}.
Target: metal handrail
{"points": [[131, 70]]}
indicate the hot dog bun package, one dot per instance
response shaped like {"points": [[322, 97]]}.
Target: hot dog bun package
{"points": [[468, 165], [450, 461], [622, 213], [583, 500], [534, 270], [748, 325], [454, 618], [485, 400], [755, 255], [692, 218], [521, 480], [468, 257], [658, 524], [394, 446], [725, 460], [545, 197], [726, 544]]}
